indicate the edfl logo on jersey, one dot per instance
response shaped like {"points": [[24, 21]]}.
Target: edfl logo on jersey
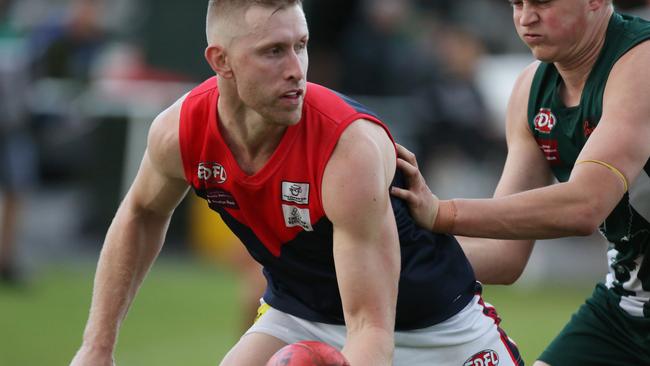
{"points": [[210, 171], [545, 120]]}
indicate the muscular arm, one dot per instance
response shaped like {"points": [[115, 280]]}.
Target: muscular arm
{"points": [[134, 238], [575, 207], [623, 133], [366, 247], [494, 261], [498, 261], [579, 205]]}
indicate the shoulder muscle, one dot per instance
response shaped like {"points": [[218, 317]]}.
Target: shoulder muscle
{"points": [[358, 175], [163, 142]]}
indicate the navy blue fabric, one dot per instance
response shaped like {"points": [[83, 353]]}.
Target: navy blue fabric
{"points": [[356, 105], [436, 279]]}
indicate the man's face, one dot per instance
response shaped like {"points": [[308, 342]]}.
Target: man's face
{"points": [[269, 62], [552, 29]]}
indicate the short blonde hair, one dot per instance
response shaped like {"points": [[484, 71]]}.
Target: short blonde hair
{"points": [[222, 11]]}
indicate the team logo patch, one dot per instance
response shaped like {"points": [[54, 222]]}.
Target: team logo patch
{"points": [[295, 192], [486, 357], [212, 171], [294, 216], [221, 198], [545, 120]]}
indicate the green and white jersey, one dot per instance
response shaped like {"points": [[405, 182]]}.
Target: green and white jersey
{"points": [[562, 131]]}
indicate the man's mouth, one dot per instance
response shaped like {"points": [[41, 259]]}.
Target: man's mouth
{"points": [[293, 94]]}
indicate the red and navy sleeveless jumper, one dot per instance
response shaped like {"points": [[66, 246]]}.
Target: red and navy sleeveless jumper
{"points": [[278, 214]]}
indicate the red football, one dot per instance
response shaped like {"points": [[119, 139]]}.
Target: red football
{"points": [[308, 353]]}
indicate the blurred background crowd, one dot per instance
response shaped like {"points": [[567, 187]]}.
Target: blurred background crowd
{"points": [[81, 80]]}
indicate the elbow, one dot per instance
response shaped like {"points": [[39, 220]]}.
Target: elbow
{"points": [[513, 265], [506, 274], [586, 220], [584, 229], [510, 278]]}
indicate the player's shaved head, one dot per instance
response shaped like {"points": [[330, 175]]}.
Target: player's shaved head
{"points": [[224, 15]]}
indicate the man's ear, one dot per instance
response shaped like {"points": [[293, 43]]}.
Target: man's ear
{"points": [[597, 4], [218, 60]]}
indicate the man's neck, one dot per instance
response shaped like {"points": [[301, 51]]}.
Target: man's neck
{"points": [[576, 70], [250, 138]]}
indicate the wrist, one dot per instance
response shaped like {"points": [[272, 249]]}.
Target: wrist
{"points": [[445, 217], [98, 349], [99, 344], [435, 208]]}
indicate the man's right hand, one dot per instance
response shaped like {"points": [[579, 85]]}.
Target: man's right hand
{"points": [[423, 204], [87, 356]]}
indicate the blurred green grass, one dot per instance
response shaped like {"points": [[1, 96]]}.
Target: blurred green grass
{"points": [[533, 315], [187, 314]]}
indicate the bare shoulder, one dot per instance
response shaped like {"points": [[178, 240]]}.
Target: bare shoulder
{"points": [[517, 112], [521, 89], [637, 55], [628, 84], [163, 141], [364, 140], [624, 127], [359, 170], [362, 132], [633, 66]]}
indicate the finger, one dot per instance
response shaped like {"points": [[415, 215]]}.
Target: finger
{"points": [[407, 155], [402, 193], [411, 172]]}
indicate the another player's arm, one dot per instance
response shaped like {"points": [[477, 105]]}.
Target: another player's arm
{"points": [[622, 137], [134, 239], [494, 261], [366, 246], [579, 205], [497, 261]]}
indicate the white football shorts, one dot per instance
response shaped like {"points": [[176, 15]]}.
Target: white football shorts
{"points": [[470, 338]]}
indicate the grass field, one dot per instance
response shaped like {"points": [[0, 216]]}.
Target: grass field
{"points": [[186, 314]]}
